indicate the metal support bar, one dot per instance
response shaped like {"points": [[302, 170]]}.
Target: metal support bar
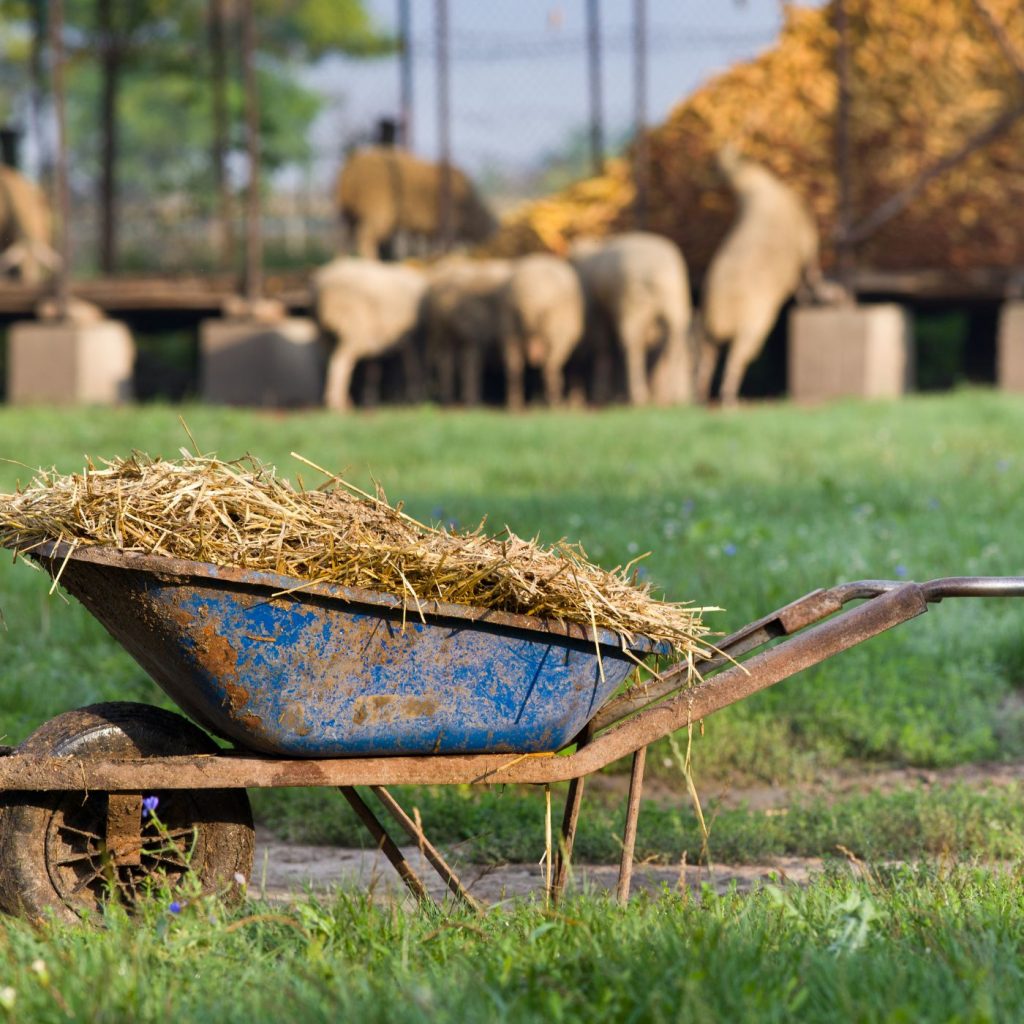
{"points": [[124, 827], [416, 834], [385, 843], [636, 786], [570, 821]]}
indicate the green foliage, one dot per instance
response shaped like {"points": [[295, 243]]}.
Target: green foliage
{"points": [[915, 946], [166, 129], [746, 511], [306, 30], [495, 825], [164, 105]]}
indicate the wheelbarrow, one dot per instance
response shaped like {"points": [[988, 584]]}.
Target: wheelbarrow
{"points": [[323, 685]]}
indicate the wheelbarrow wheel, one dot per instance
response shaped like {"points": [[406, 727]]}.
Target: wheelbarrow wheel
{"points": [[68, 853]]}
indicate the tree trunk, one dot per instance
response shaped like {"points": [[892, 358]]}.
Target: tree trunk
{"points": [[219, 147], [110, 81]]}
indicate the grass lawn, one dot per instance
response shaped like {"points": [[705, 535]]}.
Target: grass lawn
{"points": [[918, 947], [745, 511]]}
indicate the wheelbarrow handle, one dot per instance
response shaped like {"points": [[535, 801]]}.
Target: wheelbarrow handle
{"points": [[792, 618]]}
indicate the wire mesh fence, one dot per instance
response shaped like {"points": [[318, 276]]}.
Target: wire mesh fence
{"points": [[524, 95]]}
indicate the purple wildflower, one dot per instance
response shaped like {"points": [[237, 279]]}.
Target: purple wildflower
{"points": [[175, 907], [729, 549], [149, 805], [901, 571]]}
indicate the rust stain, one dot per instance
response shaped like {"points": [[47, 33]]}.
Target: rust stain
{"points": [[293, 718], [238, 696], [253, 722], [176, 614], [388, 708], [219, 657]]}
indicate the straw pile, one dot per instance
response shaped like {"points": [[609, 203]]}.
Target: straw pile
{"points": [[926, 76], [240, 514]]}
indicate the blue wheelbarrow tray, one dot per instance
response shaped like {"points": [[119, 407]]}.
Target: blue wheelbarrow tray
{"points": [[319, 670]]}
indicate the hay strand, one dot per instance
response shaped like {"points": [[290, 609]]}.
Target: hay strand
{"points": [[240, 514]]}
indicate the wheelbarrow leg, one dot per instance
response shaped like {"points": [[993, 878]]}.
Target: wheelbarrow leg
{"points": [[386, 843], [563, 855], [636, 785], [416, 834], [570, 820]]}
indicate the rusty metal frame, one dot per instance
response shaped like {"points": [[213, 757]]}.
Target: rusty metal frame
{"points": [[810, 631], [627, 724]]}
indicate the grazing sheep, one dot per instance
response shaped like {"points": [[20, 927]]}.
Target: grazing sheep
{"points": [[371, 308], [26, 228], [636, 284], [772, 245], [460, 314], [542, 315], [383, 191]]}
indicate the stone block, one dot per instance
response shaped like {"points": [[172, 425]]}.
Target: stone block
{"points": [[1010, 347], [69, 363], [249, 362], [850, 351]]}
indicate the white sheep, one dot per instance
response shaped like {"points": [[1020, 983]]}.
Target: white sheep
{"points": [[371, 308], [770, 248], [461, 314], [542, 316], [637, 287]]}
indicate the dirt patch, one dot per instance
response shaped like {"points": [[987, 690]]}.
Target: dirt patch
{"points": [[284, 871]]}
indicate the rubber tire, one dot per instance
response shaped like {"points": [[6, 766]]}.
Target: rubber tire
{"points": [[125, 730]]}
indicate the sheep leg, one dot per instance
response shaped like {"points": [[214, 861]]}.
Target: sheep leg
{"points": [[672, 378], [367, 241], [372, 377], [443, 360], [339, 379], [742, 352], [412, 372], [471, 373], [707, 360], [636, 369], [515, 395], [553, 383]]}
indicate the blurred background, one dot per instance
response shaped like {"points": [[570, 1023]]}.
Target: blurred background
{"points": [[899, 124]]}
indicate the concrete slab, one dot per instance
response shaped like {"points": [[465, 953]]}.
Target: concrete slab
{"points": [[69, 363], [251, 362], [1010, 347], [850, 351]]}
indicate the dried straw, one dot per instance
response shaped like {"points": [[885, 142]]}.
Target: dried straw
{"points": [[240, 514]]}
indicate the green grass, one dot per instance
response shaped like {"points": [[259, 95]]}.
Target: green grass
{"points": [[507, 824], [744, 511], [912, 946]]}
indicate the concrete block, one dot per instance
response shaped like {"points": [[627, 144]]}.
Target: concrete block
{"points": [[68, 363], [850, 351], [248, 362], [1010, 347]]}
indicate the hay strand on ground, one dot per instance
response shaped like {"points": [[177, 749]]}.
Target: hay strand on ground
{"points": [[240, 514]]}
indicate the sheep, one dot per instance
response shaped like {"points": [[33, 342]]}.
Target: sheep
{"points": [[383, 191], [637, 284], [460, 314], [770, 247], [371, 308], [26, 228], [541, 323]]}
